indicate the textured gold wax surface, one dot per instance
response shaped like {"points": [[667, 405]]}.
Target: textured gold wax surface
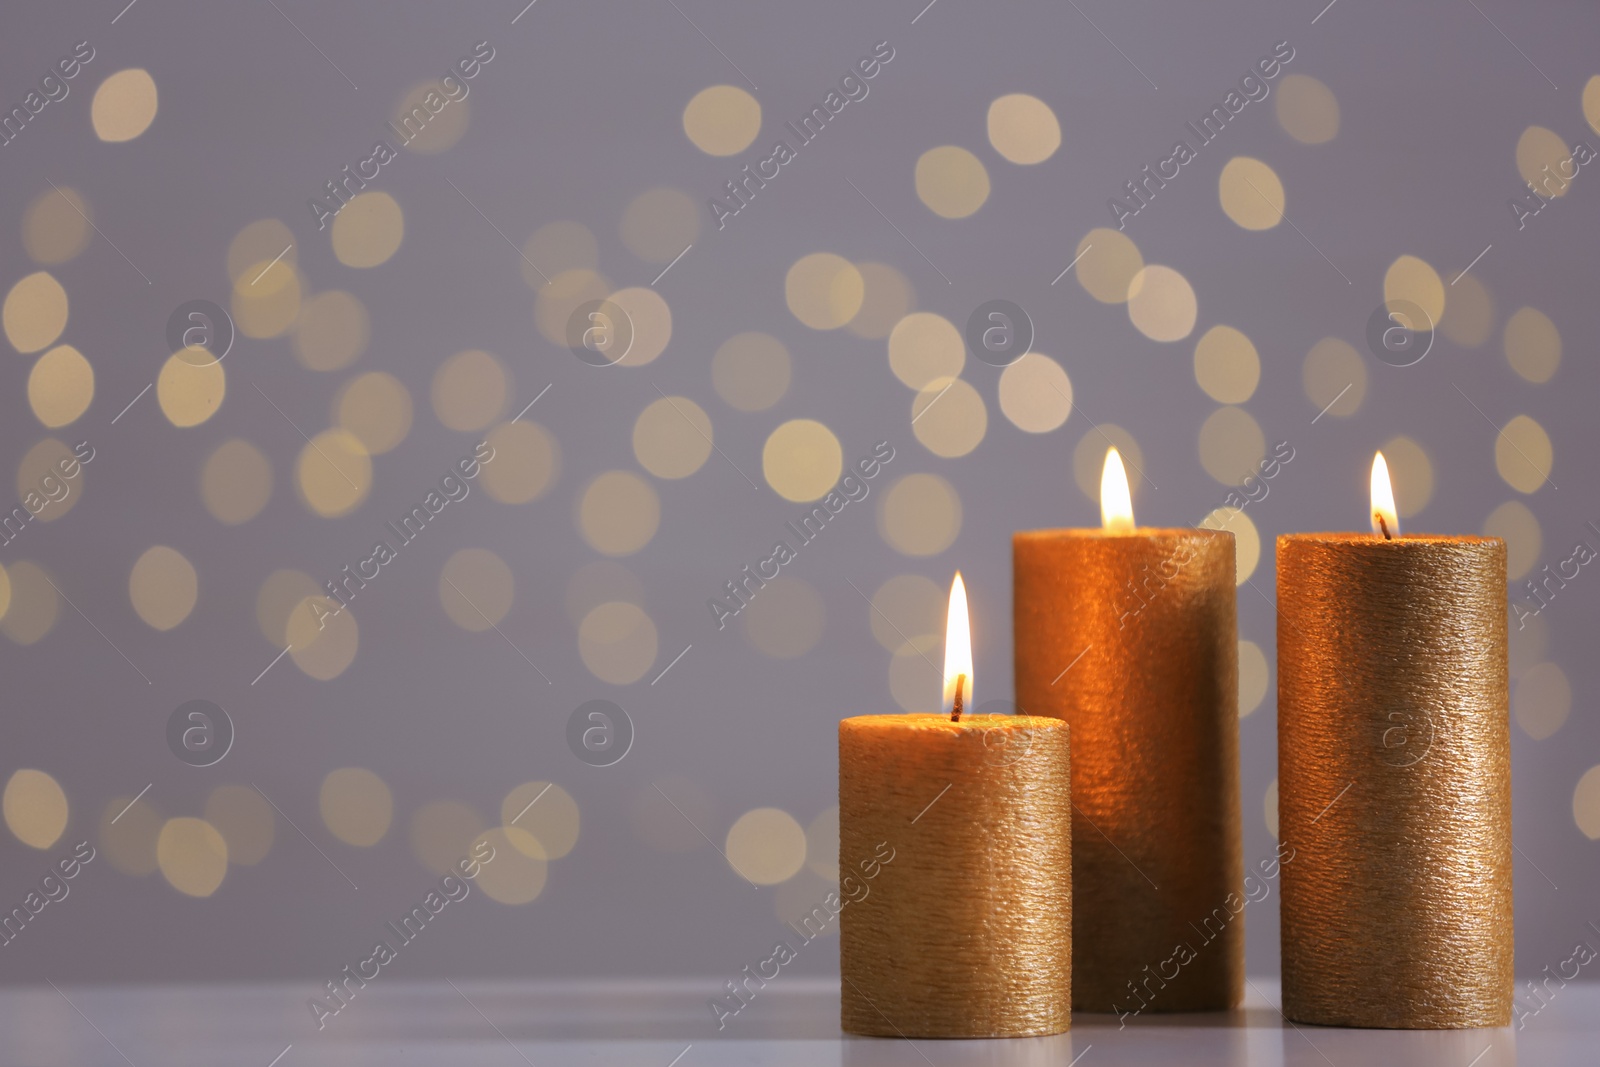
{"points": [[1394, 785], [967, 930], [1143, 627]]}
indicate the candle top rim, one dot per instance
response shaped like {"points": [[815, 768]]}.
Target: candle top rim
{"points": [[1098, 532], [921, 720], [1415, 540]]}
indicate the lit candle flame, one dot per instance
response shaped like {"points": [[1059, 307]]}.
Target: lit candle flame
{"points": [[1385, 519], [1116, 503], [957, 653]]}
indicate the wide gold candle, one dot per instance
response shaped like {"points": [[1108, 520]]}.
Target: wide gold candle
{"points": [[955, 831], [1129, 634], [1394, 771]]}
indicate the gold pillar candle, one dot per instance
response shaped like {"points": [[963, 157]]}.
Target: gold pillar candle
{"points": [[1394, 778], [1130, 636], [959, 923]]}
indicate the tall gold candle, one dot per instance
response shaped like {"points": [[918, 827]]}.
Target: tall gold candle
{"points": [[1394, 770], [1129, 634], [956, 831]]}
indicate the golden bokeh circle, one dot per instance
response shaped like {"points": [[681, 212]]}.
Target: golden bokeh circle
{"points": [[518, 871], [822, 844], [1251, 193], [442, 120], [1586, 803], [1254, 674], [1542, 700], [650, 318], [1532, 345], [567, 291], [1540, 154], [887, 298], [476, 589], [323, 639], [546, 811], [802, 460], [1107, 262], [163, 587], [1469, 315], [617, 642], [356, 806], [1231, 445], [124, 105], [1334, 377], [823, 290], [35, 807], [526, 462], [766, 846], [556, 247], [34, 605], [43, 489], [659, 224], [1246, 538], [192, 855], [1035, 394], [368, 230], [56, 226], [1307, 109], [920, 515], [267, 301], [60, 386], [1161, 304], [1523, 454], [951, 181], [443, 833], [129, 828], [470, 390], [331, 331], [925, 347], [333, 473], [1518, 527], [1023, 128], [722, 120], [190, 393], [1226, 365], [257, 244], [949, 417], [35, 312], [750, 371], [672, 437], [1410, 279], [618, 513], [245, 820], [280, 594], [376, 408]]}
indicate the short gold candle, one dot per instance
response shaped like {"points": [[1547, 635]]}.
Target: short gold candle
{"points": [[1131, 637], [1394, 788], [967, 930]]}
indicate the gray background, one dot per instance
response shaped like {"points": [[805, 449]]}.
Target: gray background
{"points": [[580, 112]]}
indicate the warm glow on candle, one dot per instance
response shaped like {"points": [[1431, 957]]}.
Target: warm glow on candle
{"points": [[957, 652], [1385, 520], [1116, 503]]}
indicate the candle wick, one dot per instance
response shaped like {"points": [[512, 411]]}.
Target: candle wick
{"points": [[1384, 526], [955, 712]]}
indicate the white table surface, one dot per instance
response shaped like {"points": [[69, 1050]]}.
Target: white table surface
{"points": [[657, 1024]]}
